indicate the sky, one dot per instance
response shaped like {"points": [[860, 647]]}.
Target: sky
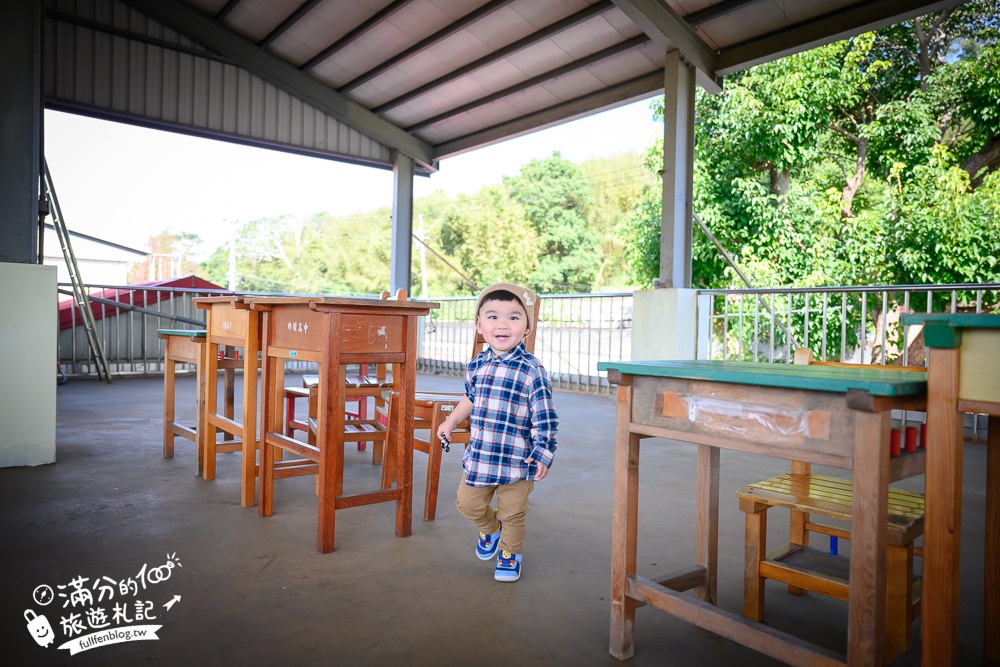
{"points": [[124, 184]]}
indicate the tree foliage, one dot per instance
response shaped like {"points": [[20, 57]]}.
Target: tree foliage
{"points": [[867, 161], [552, 226]]}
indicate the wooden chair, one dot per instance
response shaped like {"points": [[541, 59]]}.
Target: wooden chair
{"points": [[803, 568], [430, 409]]}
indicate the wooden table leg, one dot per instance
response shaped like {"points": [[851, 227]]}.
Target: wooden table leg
{"points": [[866, 596], [991, 606], [169, 377], [624, 527], [707, 521], [331, 445], [248, 496], [207, 431], [270, 409], [943, 514], [201, 423], [404, 453]]}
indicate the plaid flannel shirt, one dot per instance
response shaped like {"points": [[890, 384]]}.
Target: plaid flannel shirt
{"points": [[512, 419]]}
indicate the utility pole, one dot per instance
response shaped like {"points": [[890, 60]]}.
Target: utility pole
{"points": [[232, 259], [423, 260]]}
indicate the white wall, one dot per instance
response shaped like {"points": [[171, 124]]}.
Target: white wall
{"points": [[28, 331], [664, 324]]}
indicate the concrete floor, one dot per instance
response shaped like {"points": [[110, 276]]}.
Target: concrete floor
{"points": [[255, 590]]}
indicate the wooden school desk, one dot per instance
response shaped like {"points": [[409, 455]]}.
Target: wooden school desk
{"points": [[231, 324], [963, 375], [335, 332], [830, 416]]}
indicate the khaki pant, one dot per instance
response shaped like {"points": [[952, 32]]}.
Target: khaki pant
{"points": [[473, 503]]}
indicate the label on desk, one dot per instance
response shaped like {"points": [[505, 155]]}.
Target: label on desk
{"points": [[228, 321], [298, 328]]}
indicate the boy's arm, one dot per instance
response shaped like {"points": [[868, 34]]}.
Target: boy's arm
{"points": [[457, 416], [544, 424]]}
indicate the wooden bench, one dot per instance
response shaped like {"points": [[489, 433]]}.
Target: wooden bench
{"points": [[806, 568]]}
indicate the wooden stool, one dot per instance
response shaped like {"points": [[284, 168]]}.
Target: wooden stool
{"points": [[802, 567], [182, 347], [430, 409]]}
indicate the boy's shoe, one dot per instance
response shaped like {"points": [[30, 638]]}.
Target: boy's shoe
{"points": [[508, 567], [487, 546]]}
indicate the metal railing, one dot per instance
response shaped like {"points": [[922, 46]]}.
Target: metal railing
{"points": [[127, 318], [575, 331], [851, 324]]}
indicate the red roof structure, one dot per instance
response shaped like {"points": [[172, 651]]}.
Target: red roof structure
{"points": [[140, 295]]}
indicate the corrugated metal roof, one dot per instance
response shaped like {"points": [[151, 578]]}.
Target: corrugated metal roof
{"points": [[357, 79]]}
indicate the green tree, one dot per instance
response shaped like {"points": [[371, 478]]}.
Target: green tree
{"points": [[491, 237], [557, 199]]}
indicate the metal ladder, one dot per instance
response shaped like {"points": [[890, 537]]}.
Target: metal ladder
{"points": [[79, 293]]}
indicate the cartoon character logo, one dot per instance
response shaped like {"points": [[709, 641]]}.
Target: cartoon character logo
{"points": [[39, 628]]}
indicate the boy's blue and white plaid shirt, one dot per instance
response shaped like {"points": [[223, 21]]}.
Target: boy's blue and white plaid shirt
{"points": [[512, 419]]}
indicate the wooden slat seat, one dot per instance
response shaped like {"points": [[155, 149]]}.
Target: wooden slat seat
{"points": [[803, 568]]}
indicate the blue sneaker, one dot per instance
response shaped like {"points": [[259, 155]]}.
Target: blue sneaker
{"points": [[508, 567], [487, 546]]}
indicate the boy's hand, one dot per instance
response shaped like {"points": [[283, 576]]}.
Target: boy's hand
{"points": [[541, 471]]}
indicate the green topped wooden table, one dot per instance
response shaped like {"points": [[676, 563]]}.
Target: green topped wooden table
{"points": [[963, 375], [182, 346], [825, 415]]}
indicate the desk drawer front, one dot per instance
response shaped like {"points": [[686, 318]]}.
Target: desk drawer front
{"points": [[373, 333], [184, 348], [746, 416]]}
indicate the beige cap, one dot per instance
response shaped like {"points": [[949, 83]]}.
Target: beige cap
{"points": [[526, 296]]}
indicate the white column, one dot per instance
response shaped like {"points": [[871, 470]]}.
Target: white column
{"points": [[402, 223], [678, 172]]}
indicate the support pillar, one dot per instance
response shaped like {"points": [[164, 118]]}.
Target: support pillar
{"points": [[402, 222], [20, 130], [678, 172]]}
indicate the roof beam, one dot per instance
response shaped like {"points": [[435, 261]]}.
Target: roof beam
{"points": [[715, 11], [534, 38], [665, 27], [249, 56], [291, 20], [354, 34], [826, 29], [420, 47], [636, 89], [574, 66]]}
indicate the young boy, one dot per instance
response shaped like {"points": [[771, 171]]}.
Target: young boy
{"points": [[509, 398]]}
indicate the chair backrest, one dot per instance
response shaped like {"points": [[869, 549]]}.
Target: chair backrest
{"points": [[479, 343]]}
